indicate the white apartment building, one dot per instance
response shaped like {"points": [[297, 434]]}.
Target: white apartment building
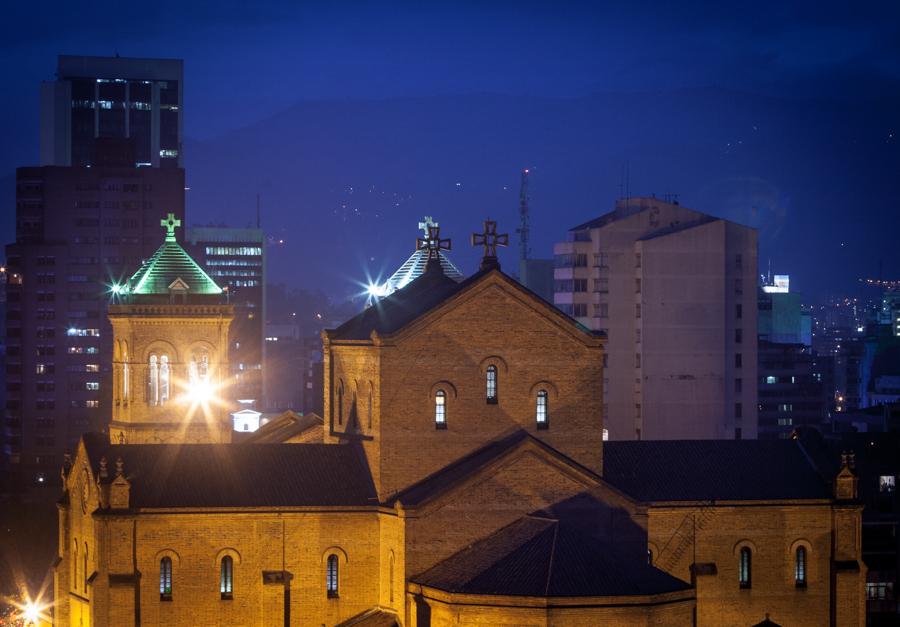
{"points": [[675, 292]]}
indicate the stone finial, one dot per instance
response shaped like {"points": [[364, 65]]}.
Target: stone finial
{"points": [[120, 488], [846, 483], [103, 471], [121, 437]]}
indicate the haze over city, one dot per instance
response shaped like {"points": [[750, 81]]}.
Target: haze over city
{"points": [[351, 118]]}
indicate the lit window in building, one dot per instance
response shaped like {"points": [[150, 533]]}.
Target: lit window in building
{"points": [[165, 579], [744, 568], [800, 567], [491, 384], [163, 379], [887, 483], [331, 576], [440, 409], [541, 410], [226, 577], [770, 380]]}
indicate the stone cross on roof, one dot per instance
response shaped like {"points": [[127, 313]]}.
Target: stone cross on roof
{"points": [[426, 223], [170, 223], [433, 243], [490, 239]]}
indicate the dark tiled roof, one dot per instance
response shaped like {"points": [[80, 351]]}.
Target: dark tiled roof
{"points": [[548, 558], [393, 312], [700, 470], [238, 475], [457, 472]]}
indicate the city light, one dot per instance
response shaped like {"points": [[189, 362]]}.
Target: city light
{"points": [[200, 392], [31, 613]]}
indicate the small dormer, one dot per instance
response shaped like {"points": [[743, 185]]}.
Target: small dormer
{"points": [[178, 290]]}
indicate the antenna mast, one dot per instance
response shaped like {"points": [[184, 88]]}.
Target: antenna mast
{"points": [[523, 229]]}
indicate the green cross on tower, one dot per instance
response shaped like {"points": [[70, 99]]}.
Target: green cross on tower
{"points": [[171, 223]]}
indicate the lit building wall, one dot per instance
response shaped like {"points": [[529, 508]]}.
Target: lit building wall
{"points": [[674, 290]]}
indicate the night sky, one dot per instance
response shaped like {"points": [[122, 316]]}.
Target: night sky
{"points": [[351, 121]]}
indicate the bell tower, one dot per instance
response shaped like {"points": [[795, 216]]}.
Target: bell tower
{"points": [[170, 351]]}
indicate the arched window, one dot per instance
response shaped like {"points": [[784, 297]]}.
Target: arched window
{"points": [[331, 576], [153, 381], [165, 579], [745, 567], [491, 384], [163, 379], [226, 577], [800, 567], [340, 403], [650, 557], [391, 578], [75, 564], [540, 411], [85, 573], [125, 372], [440, 409], [370, 406]]}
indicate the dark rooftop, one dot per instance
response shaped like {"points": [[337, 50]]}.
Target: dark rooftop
{"points": [[700, 470], [393, 312], [238, 475], [543, 557]]}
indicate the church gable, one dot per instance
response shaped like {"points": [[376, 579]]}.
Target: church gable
{"points": [[490, 488]]}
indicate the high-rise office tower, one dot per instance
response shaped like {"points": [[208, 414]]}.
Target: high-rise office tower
{"points": [[236, 260], [79, 232], [135, 105], [675, 292], [84, 220]]}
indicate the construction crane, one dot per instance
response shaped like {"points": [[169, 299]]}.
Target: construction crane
{"points": [[523, 229]]}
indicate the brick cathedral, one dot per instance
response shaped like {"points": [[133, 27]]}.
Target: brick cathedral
{"points": [[458, 476]]}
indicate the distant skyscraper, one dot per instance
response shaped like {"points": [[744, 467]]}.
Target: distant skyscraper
{"points": [[135, 105], [675, 291], [236, 260], [79, 233]]}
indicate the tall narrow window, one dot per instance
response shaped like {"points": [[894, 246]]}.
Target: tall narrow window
{"points": [[540, 410], [163, 379], [153, 382], [745, 568], [75, 564], [226, 577], [165, 579], [800, 567], [340, 403], [491, 382], [440, 410], [370, 406], [391, 578], [331, 576], [85, 573]]}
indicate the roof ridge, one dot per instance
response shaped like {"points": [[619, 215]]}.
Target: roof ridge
{"points": [[552, 556]]}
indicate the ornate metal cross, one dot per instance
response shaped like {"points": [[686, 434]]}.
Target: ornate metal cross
{"points": [[170, 223], [490, 239], [433, 242]]}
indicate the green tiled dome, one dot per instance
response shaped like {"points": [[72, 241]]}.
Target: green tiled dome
{"points": [[169, 264]]}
